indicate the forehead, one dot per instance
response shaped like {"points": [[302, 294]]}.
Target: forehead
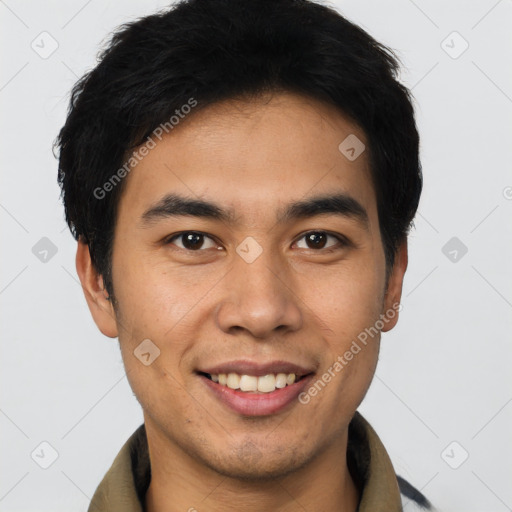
{"points": [[252, 156]]}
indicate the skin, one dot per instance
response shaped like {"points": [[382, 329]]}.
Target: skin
{"points": [[294, 302]]}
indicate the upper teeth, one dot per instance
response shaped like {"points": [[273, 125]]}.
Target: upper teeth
{"points": [[264, 384]]}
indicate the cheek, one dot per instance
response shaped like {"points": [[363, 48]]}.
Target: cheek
{"points": [[346, 300], [347, 307], [150, 317], [153, 298]]}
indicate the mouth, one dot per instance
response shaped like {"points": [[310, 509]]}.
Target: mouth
{"points": [[252, 383], [256, 390]]}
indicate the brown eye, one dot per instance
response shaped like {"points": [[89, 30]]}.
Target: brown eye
{"points": [[316, 240], [319, 240], [192, 241]]}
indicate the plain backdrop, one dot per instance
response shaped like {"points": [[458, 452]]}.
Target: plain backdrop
{"points": [[441, 397]]}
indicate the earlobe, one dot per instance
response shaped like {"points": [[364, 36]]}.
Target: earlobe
{"points": [[394, 288], [100, 306]]}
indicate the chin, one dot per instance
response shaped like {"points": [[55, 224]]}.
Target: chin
{"points": [[251, 463]]}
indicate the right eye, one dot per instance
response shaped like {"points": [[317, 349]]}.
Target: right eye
{"points": [[191, 241]]}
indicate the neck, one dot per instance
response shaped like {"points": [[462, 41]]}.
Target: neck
{"points": [[180, 483]]}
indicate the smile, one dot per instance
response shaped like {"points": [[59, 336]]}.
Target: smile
{"points": [[262, 394], [254, 384]]}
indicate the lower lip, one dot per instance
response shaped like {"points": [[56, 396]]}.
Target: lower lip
{"points": [[257, 404]]}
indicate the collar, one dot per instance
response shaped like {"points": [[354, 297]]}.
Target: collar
{"points": [[125, 484]]}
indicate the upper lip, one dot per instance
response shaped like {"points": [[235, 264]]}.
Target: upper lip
{"points": [[245, 367]]}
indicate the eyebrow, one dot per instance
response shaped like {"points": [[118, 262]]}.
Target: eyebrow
{"points": [[174, 205]]}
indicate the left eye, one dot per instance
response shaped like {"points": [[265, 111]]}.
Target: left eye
{"points": [[318, 240], [192, 241]]}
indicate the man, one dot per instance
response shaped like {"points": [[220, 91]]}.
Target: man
{"points": [[241, 177]]}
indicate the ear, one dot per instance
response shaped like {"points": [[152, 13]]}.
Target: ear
{"points": [[394, 288], [95, 293]]}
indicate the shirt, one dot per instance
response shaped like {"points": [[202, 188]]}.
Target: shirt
{"points": [[124, 486]]}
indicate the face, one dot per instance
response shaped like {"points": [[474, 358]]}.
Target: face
{"points": [[259, 282]]}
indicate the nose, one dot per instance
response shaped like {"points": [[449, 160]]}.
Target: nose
{"points": [[259, 299]]}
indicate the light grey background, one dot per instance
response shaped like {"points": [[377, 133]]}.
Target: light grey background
{"points": [[444, 374]]}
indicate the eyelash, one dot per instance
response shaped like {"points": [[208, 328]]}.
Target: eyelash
{"points": [[342, 241]]}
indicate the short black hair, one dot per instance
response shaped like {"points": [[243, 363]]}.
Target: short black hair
{"points": [[207, 51]]}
